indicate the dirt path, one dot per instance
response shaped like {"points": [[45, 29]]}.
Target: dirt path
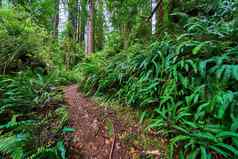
{"points": [[99, 134]]}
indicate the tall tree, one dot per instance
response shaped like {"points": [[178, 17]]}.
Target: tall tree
{"points": [[81, 21], [72, 25], [56, 19], [160, 14], [163, 15], [90, 35], [98, 26], [153, 16], [83, 13]]}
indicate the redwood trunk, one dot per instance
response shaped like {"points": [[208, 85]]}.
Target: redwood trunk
{"points": [[90, 35], [161, 13]]}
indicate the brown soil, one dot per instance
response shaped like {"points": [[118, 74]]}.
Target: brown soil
{"points": [[99, 132]]}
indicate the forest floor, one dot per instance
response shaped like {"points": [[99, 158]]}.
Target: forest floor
{"points": [[102, 132]]}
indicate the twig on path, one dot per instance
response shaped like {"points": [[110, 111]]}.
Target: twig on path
{"points": [[112, 148], [100, 127], [153, 152], [98, 130]]}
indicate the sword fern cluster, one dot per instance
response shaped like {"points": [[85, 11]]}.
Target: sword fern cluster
{"points": [[189, 80]]}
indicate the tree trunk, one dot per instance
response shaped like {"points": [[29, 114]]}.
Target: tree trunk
{"points": [[56, 19], [82, 32], [78, 21], [82, 24], [163, 15], [160, 16], [154, 16], [90, 35], [98, 27]]}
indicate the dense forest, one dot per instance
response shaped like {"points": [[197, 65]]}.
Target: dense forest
{"points": [[173, 63]]}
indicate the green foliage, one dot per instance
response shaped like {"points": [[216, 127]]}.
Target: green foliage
{"points": [[114, 42], [41, 11], [30, 110], [188, 80], [13, 145], [22, 42], [71, 52]]}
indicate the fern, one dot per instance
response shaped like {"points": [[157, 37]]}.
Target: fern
{"points": [[13, 145], [188, 80]]}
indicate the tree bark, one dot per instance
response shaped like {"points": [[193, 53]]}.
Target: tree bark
{"points": [[82, 24], [153, 16], [56, 19], [90, 36], [155, 9], [160, 13], [78, 21], [98, 27]]}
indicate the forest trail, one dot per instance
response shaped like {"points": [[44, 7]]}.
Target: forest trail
{"points": [[99, 134]]}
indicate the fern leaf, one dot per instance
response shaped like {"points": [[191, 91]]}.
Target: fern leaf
{"points": [[219, 150], [203, 152], [173, 143], [13, 145], [61, 149], [228, 147], [226, 134], [235, 72], [198, 48]]}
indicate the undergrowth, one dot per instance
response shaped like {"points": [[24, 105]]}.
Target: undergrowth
{"points": [[32, 117], [186, 82], [32, 111]]}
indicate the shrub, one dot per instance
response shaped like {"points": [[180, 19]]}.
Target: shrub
{"points": [[71, 52], [32, 117], [21, 41]]}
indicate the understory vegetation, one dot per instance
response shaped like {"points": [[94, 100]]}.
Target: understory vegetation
{"points": [[186, 83], [183, 76], [33, 116]]}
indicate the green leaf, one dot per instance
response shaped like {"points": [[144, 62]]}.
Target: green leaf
{"points": [[204, 136], [218, 150], [181, 155], [234, 125], [220, 71], [198, 48], [228, 147], [180, 129], [173, 142], [142, 117], [193, 154], [203, 152], [61, 149], [227, 73], [68, 130], [226, 134], [235, 72]]}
